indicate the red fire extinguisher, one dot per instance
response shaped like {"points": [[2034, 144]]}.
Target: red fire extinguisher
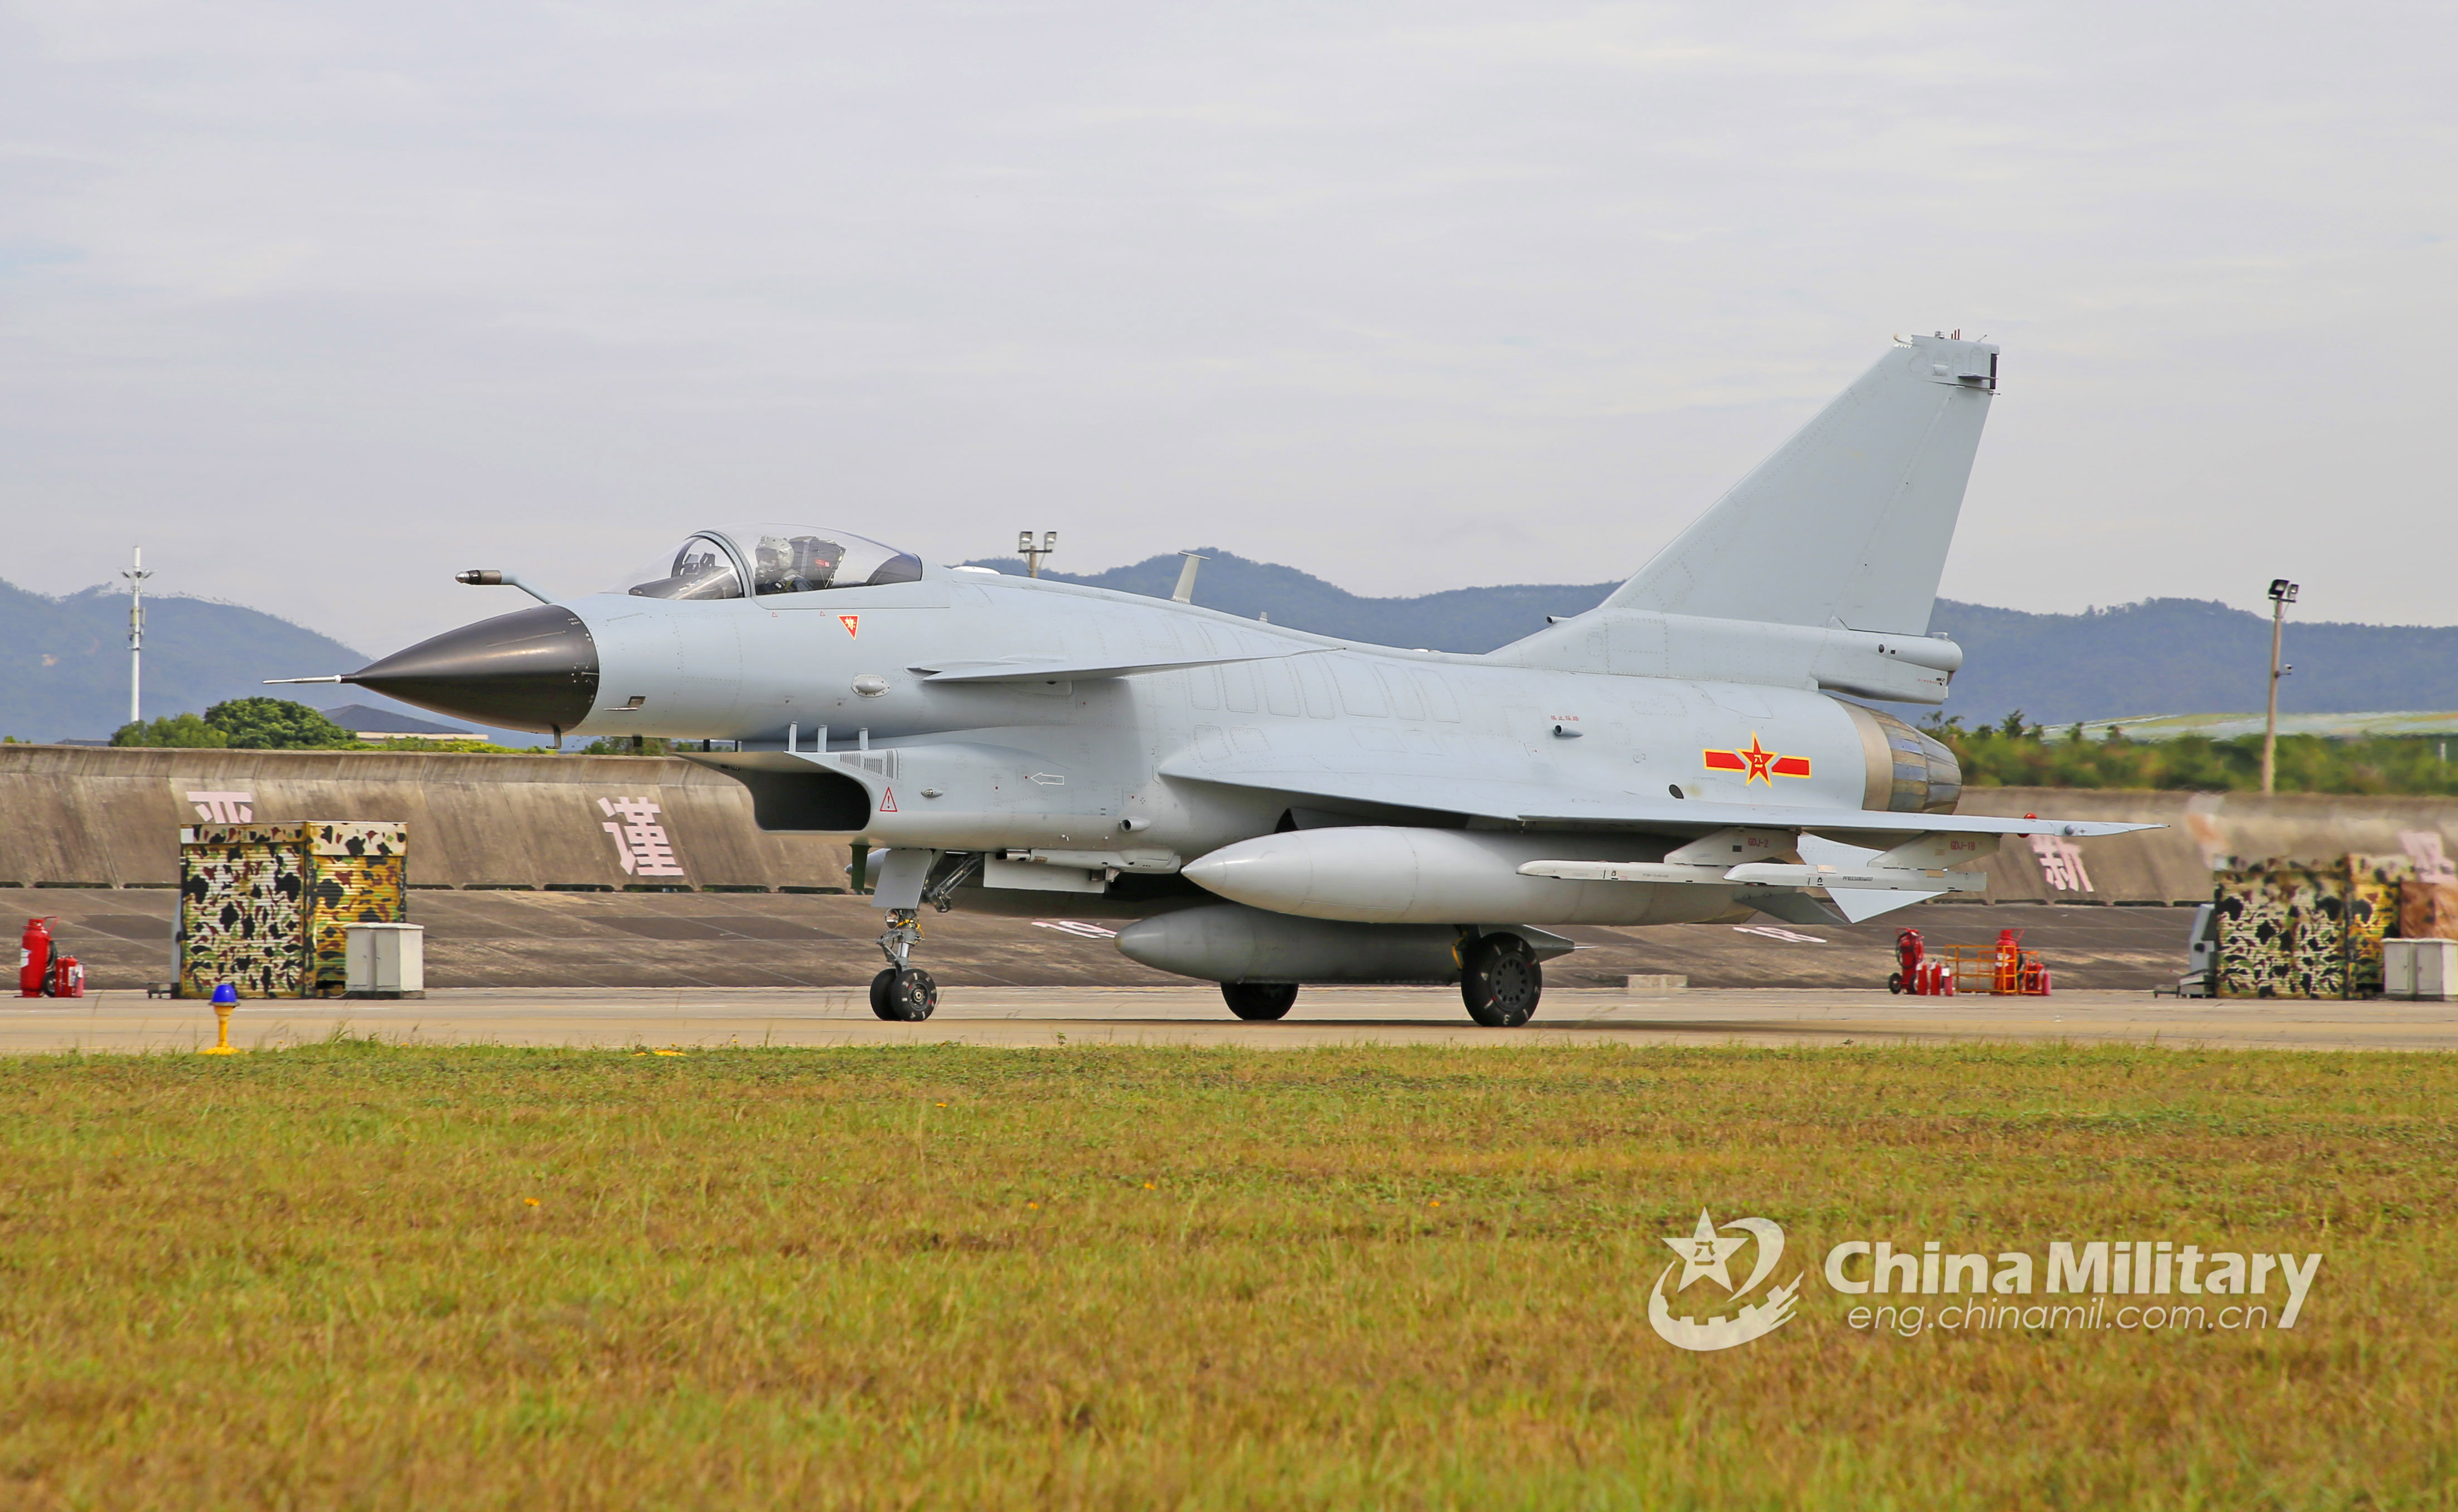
{"points": [[1908, 951], [34, 958], [68, 976], [2008, 978]]}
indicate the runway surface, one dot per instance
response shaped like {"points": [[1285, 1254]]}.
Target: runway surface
{"points": [[702, 1016], [483, 939]]}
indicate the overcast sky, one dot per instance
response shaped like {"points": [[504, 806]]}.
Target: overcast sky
{"points": [[325, 301]]}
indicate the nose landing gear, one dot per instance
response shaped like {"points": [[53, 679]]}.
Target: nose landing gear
{"points": [[904, 993]]}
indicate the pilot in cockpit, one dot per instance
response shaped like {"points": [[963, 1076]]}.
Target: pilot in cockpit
{"points": [[800, 563], [782, 558]]}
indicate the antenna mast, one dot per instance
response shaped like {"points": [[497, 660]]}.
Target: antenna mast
{"points": [[137, 577]]}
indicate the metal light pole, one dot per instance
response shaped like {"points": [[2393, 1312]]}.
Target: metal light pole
{"points": [[1032, 553], [2282, 593], [137, 577]]}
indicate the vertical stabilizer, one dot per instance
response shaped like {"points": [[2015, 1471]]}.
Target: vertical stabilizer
{"points": [[1848, 523]]}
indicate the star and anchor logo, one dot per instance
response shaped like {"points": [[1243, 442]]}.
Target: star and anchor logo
{"points": [[1757, 763], [1706, 1252]]}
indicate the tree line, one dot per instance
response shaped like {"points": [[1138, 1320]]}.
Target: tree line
{"points": [[271, 724], [2012, 753], [281, 724]]}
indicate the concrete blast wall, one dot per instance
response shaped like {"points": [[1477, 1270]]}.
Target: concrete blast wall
{"points": [[2205, 833], [74, 816], [112, 817]]}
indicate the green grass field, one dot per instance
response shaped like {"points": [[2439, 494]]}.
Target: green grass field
{"points": [[362, 1277]]}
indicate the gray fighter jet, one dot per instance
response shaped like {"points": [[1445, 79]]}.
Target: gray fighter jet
{"points": [[1274, 807]]}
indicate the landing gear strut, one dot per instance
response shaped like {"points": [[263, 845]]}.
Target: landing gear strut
{"points": [[1500, 981], [902, 993], [1259, 1000]]}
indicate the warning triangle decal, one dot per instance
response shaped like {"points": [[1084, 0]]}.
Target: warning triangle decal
{"points": [[852, 624], [887, 801]]}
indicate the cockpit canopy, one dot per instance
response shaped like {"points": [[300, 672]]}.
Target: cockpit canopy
{"points": [[778, 559]]}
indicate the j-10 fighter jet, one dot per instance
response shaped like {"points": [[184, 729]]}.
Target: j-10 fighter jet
{"points": [[1272, 807]]}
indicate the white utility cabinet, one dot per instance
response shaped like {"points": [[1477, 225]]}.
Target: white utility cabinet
{"points": [[386, 961], [2426, 970]]}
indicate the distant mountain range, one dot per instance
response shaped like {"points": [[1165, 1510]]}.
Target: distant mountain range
{"points": [[64, 661], [2165, 656], [2184, 655]]}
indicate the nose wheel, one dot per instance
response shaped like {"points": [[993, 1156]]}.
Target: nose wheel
{"points": [[1500, 981], [904, 993], [904, 997]]}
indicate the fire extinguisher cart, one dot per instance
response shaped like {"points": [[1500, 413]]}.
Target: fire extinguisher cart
{"points": [[2005, 970], [43, 970]]}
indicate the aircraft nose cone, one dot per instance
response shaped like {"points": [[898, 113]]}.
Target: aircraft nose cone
{"points": [[535, 669]]}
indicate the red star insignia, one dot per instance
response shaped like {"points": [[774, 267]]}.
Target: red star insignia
{"points": [[1760, 759], [1757, 763]]}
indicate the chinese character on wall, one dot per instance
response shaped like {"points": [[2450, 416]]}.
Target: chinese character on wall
{"points": [[225, 808], [2423, 848], [641, 841], [2061, 863]]}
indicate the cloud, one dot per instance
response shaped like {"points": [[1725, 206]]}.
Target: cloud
{"points": [[324, 303]]}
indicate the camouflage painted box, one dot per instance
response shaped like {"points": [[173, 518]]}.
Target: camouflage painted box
{"points": [[266, 907], [2297, 931], [2372, 915]]}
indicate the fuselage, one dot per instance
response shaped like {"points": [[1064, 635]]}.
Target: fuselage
{"points": [[1118, 765]]}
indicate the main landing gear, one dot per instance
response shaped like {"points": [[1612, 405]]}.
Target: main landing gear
{"points": [[1259, 1000], [1500, 981], [904, 993]]}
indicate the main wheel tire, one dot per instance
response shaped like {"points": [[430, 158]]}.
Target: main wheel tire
{"points": [[1895, 983], [1500, 981], [904, 997], [1259, 1000]]}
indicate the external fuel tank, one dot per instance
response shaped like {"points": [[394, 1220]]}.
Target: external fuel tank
{"points": [[1390, 875]]}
